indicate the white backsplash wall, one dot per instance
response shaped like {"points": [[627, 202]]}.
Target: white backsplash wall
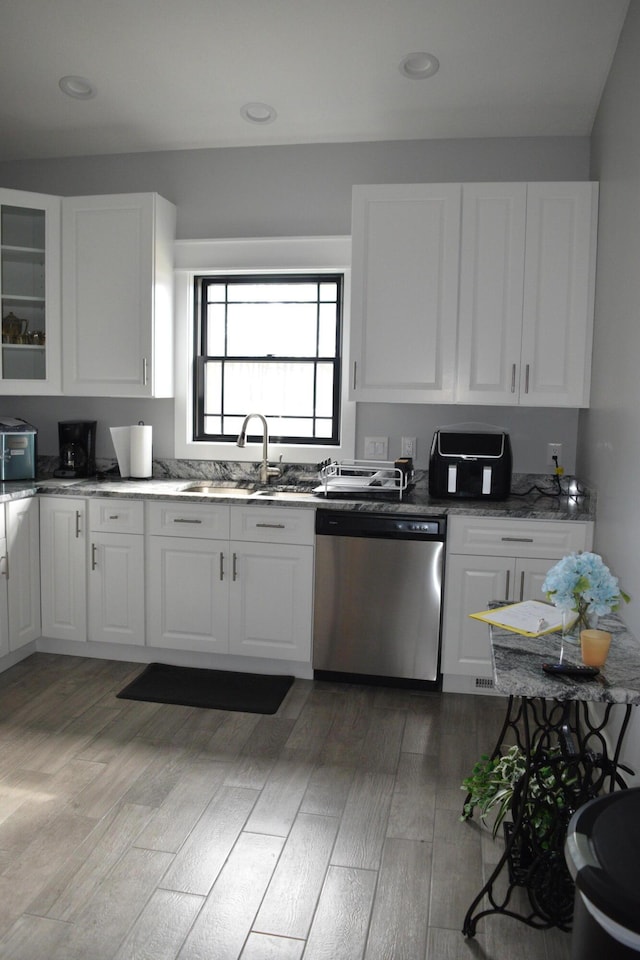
{"points": [[530, 429], [45, 412]]}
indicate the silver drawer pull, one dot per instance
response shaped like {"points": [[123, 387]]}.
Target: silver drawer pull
{"points": [[273, 526], [234, 571], [78, 518], [513, 378], [518, 539], [507, 585], [94, 562], [221, 565], [185, 520]]}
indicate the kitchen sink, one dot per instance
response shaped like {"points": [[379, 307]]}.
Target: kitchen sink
{"points": [[284, 494], [212, 489]]}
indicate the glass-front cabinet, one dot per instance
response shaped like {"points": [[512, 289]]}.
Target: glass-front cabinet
{"points": [[30, 293]]}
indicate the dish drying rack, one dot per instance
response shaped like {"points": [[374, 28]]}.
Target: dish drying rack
{"points": [[371, 478]]}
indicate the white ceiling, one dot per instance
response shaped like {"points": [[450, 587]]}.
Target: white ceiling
{"points": [[173, 74]]}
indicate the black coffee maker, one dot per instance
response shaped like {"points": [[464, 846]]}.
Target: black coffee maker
{"points": [[77, 440]]}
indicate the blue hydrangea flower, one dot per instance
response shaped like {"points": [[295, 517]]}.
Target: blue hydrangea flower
{"points": [[583, 578]]}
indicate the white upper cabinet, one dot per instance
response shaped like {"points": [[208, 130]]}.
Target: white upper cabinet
{"points": [[491, 285], [559, 280], [473, 293], [117, 294], [526, 293], [406, 243], [30, 293]]}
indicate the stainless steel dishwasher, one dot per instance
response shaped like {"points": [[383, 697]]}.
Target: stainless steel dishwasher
{"points": [[378, 597]]}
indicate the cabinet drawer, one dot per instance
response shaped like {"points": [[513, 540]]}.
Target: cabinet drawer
{"points": [[272, 525], [188, 520], [489, 536], [116, 516]]}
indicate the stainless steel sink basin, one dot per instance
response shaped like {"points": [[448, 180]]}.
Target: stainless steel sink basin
{"points": [[212, 489], [284, 494]]}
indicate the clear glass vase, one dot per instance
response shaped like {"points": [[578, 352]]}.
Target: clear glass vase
{"points": [[574, 621]]}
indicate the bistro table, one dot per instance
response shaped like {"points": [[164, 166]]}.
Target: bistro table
{"points": [[570, 732]]}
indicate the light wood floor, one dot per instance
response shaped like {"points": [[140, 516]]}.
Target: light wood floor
{"points": [[330, 831]]}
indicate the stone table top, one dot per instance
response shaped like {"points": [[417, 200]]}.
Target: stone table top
{"points": [[517, 666]]}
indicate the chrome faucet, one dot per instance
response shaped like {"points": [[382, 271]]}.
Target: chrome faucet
{"points": [[265, 470]]}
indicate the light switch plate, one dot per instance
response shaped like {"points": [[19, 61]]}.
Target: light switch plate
{"points": [[376, 448]]}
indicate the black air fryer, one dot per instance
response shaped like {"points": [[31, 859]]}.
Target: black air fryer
{"points": [[470, 465], [77, 440]]}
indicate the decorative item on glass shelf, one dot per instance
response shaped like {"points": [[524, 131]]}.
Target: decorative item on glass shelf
{"points": [[584, 588]]}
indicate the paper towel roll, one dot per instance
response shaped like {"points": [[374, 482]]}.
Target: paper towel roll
{"points": [[140, 446], [121, 437]]}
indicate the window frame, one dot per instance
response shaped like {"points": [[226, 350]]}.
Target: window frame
{"points": [[290, 255], [201, 357]]}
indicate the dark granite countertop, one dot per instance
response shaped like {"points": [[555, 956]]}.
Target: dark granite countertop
{"points": [[297, 492], [517, 666]]}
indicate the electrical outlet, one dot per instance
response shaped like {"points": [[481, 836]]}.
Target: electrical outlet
{"points": [[375, 448], [408, 447], [554, 450]]}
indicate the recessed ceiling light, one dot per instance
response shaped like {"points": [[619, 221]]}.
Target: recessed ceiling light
{"points": [[78, 87], [418, 66], [258, 113]]}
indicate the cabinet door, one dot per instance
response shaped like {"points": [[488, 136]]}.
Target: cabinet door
{"points": [[405, 292], [24, 571], [471, 584], [558, 293], [116, 588], [491, 291], [529, 577], [188, 594], [117, 295], [30, 293], [63, 568], [271, 600]]}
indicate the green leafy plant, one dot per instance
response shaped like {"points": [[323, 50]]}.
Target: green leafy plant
{"points": [[493, 785]]}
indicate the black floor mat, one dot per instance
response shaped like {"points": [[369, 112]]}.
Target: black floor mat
{"points": [[216, 689]]}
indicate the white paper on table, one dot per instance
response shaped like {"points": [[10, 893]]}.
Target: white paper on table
{"points": [[533, 618]]}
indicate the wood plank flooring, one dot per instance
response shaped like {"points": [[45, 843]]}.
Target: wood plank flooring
{"points": [[329, 831]]}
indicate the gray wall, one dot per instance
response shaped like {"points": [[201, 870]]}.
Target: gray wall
{"points": [[301, 191], [609, 432]]}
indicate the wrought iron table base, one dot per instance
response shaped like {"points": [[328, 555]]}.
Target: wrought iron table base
{"points": [[566, 749]]}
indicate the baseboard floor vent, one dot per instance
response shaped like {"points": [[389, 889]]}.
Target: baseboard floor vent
{"points": [[485, 682]]}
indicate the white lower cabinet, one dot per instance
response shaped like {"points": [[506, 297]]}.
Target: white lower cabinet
{"points": [[234, 580], [116, 571], [63, 567], [491, 559], [23, 583]]}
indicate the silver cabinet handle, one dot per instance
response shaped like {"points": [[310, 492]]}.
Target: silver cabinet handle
{"points": [[522, 585], [145, 372], [185, 520], [272, 526], [4, 566], [355, 373], [508, 584], [517, 539], [526, 379], [513, 378], [221, 565], [114, 516], [94, 554], [234, 573], [78, 519]]}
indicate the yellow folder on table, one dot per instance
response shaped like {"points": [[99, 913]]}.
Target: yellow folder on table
{"points": [[531, 618]]}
